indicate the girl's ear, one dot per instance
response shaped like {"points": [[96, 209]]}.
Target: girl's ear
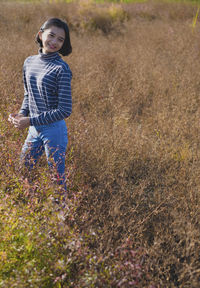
{"points": [[40, 35]]}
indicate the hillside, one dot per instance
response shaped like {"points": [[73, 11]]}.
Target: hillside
{"points": [[132, 216]]}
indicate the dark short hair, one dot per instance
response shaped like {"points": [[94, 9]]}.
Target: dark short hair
{"points": [[66, 47]]}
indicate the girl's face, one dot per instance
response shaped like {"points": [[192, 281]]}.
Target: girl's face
{"points": [[52, 39]]}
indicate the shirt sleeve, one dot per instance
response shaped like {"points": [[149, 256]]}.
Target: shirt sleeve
{"points": [[24, 110], [64, 107]]}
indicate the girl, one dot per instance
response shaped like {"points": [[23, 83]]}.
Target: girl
{"points": [[47, 98]]}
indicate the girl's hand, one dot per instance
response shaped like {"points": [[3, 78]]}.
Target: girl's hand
{"points": [[19, 121], [11, 117]]}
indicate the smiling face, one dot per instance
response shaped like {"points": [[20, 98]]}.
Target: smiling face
{"points": [[52, 39]]}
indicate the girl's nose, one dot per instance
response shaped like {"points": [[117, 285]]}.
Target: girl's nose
{"points": [[54, 41]]}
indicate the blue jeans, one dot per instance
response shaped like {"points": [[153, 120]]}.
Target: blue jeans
{"points": [[52, 139]]}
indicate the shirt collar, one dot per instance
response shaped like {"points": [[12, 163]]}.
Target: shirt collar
{"points": [[48, 56]]}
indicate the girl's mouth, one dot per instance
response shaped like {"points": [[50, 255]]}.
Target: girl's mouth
{"points": [[52, 47]]}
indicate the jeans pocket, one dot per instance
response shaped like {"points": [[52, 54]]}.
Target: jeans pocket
{"points": [[55, 135]]}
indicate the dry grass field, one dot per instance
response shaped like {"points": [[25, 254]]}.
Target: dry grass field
{"points": [[133, 159]]}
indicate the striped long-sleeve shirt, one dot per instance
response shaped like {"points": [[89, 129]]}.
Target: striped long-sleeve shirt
{"points": [[47, 89]]}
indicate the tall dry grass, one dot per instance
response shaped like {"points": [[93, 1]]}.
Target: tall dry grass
{"points": [[134, 133]]}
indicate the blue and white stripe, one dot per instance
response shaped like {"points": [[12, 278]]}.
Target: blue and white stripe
{"points": [[47, 89]]}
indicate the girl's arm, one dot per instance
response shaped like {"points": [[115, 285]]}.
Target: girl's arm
{"points": [[64, 107], [25, 104]]}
